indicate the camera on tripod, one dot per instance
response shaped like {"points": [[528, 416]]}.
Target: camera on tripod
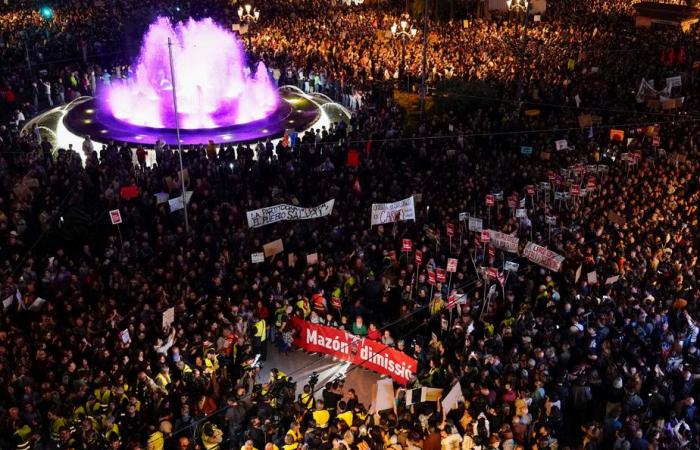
{"points": [[313, 379]]}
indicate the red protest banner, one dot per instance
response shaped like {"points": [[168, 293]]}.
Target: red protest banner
{"points": [[489, 200], [492, 273], [450, 230], [485, 236], [431, 277], [452, 265], [353, 159], [406, 245], [419, 257], [492, 251], [590, 184], [441, 275], [575, 190], [512, 202], [363, 352], [129, 192]]}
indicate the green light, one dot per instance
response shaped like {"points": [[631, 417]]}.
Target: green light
{"points": [[46, 12]]}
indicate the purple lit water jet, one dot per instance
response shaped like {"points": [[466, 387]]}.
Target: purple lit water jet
{"points": [[213, 89]]}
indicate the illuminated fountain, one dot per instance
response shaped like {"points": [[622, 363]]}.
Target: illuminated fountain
{"points": [[213, 88], [219, 97]]}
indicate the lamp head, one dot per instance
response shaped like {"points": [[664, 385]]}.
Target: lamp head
{"points": [[414, 31], [404, 24], [509, 3], [256, 14], [248, 7], [393, 28], [240, 12]]}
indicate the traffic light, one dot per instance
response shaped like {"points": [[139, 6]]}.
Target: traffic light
{"points": [[46, 12]]}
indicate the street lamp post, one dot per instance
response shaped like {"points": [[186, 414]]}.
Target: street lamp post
{"points": [[425, 59], [403, 32], [177, 131], [245, 16], [520, 6]]}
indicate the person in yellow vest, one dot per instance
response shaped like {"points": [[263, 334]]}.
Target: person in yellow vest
{"points": [[212, 436], [110, 428], [248, 445], [211, 362], [259, 336], [271, 446], [56, 423], [321, 415], [345, 416], [305, 307], [103, 395], [295, 432], [290, 443], [23, 437], [156, 441], [163, 379], [306, 398]]}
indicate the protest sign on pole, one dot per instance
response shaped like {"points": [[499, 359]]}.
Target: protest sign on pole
{"points": [[441, 275], [452, 265], [256, 258], [406, 245], [543, 256], [475, 224], [115, 216], [273, 214], [311, 259], [489, 200], [176, 203], [503, 241], [393, 212], [511, 266], [561, 144]]}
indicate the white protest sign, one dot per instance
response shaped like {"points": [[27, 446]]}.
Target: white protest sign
{"points": [[612, 280], [257, 257], [124, 335], [168, 317], [578, 273], [503, 241], [550, 220], [521, 212], [452, 399], [511, 266], [672, 82], [8, 302], [311, 259], [37, 304], [475, 224], [385, 395], [392, 212], [592, 277], [115, 216], [161, 197], [543, 256], [278, 213], [463, 216], [176, 203], [561, 144]]}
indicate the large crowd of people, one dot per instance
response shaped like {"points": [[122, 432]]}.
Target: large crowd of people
{"points": [[602, 354]]}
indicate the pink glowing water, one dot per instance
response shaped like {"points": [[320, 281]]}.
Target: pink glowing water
{"points": [[213, 88]]}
